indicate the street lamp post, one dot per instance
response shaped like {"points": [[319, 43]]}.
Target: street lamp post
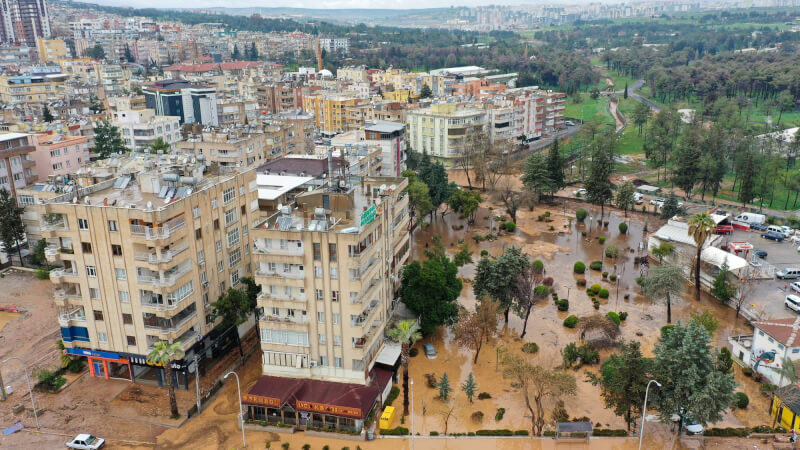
{"points": [[411, 389], [241, 414], [644, 409], [197, 381], [30, 389]]}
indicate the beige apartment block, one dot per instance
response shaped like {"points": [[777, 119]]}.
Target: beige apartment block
{"points": [[329, 267], [142, 256], [230, 149]]}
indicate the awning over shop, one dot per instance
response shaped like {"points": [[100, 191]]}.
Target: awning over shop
{"points": [[717, 257], [389, 354]]}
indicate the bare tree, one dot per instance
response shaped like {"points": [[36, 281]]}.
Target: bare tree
{"points": [[497, 157], [446, 413], [471, 157], [744, 288], [511, 199], [473, 329], [526, 294]]}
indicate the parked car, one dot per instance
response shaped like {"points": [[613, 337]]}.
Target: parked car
{"points": [[638, 198], [794, 239], [86, 442], [789, 273], [569, 123], [787, 231], [760, 253], [758, 227], [692, 426], [430, 351], [773, 236], [657, 201], [723, 229], [795, 286], [579, 192], [792, 302]]}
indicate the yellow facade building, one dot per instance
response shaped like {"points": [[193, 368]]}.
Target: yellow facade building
{"points": [[329, 110], [52, 49]]}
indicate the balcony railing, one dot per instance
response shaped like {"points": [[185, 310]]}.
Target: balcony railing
{"points": [[285, 319], [166, 256], [59, 225], [154, 325], [58, 273], [73, 292], [162, 232], [276, 273], [77, 314], [282, 298], [289, 251], [51, 250], [168, 279]]}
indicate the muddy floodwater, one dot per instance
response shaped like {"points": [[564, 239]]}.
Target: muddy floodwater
{"points": [[6, 317], [558, 242]]}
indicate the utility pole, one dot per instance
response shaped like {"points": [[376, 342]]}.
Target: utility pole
{"points": [[197, 381], [2, 388]]}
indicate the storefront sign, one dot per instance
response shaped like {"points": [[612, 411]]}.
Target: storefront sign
{"points": [[251, 399], [330, 409], [93, 353], [368, 216], [142, 361]]}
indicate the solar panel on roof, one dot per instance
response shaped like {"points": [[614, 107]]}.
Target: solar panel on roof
{"points": [[284, 223]]}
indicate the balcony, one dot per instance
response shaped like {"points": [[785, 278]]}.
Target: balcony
{"points": [[365, 315], [170, 326], [296, 275], [367, 289], [68, 315], [62, 296], [156, 303], [266, 296], [298, 320], [169, 278], [28, 163], [48, 228], [165, 257], [162, 232], [290, 250], [56, 275]]}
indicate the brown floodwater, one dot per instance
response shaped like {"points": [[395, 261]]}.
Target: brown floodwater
{"points": [[558, 247]]}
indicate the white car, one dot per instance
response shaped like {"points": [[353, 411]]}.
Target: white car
{"points": [[569, 123], [794, 239], [787, 231], [579, 192], [693, 427], [86, 442], [657, 201], [795, 286]]}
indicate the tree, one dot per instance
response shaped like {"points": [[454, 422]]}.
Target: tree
{"points": [[252, 290], [12, 229], [687, 158], [624, 199], [96, 52], [253, 53], [748, 170], [236, 55], [430, 291], [37, 255], [465, 203], [434, 175], [107, 139], [496, 278], [47, 116], [663, 250], [662, 282], [419, 201], [723, 288], [469, 387], [555, 167], [684, 364], [158, 145], [472, 156], [405, 332], [163, 354], [701, 226], [425, 91], [446, 413], [670, 208], [526, 294], [661, 138], [128, 55], [444, 387], [472, 329], [599, 187], [707, 320], [641, 114], [463, 256], [511, 200], [537, 385], [724, 360], [625, 92], [536, 177], [233, 306], [623, 379]]}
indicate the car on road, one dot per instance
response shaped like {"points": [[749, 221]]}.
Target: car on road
{"points": [[760, 253], [86, 442], [795, 286], [569, 123], [430, 351], [758, 227], [579, 192], [787, 231], [773, 236], [792, 302], [789, 273]]}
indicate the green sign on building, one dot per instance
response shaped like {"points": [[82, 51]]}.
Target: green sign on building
{"points": [[368, 216]]}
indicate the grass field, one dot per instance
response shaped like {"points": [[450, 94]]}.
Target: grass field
{"points": [[589, 108]]}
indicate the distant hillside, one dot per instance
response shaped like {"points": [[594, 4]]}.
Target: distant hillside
{"points": [[370, 16]]}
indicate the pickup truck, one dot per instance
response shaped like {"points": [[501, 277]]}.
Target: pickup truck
{"points": [[723, 229]]}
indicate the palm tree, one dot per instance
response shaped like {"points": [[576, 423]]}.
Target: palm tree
{"points": [[163, 354], [663, 249], [405, 332], [662, 282], [700, 228], [158, 144]]}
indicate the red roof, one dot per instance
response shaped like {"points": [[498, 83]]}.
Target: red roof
{"points": [[206, 67], [342, 399], [785, 331]]}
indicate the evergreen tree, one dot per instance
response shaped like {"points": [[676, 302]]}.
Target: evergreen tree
{"points": [[430, 290], [555, 167], [722, 287], [469, 387], [12, 229], [253, 56], [670, 208], [444, 387], [96, 52], [625, 93], [624, 199], [536, 177], [425, 92], [599, 187], [433, 174], [750, 167], [47, 116], [497, 278], [107, 139], [641, 114], [236, 55], [128, 54], [623, 380], [687, 158]]}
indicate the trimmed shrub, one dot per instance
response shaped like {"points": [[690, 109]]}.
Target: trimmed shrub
{"points": [[666, 330], [623, 227], [538, 265], [530, 347], [741, 400], [434, 433], [612, 251], [583, 233], [571, 321], [612, 277], [580, 214], [747, 371], [605, 275], [548, 281], [494, 432], [413, 352], [601, 240], [603, 293], [609, 432], [593, 289], [484, 396], [613, 316], [596, 265], [484, 253], [541, 291], [582, 282], [521, 433], [399, 431], [477, 416], [499, 414], [623, 315], [579, 267], [509, 226], [768, 388], [563, 305], [393, 394]]}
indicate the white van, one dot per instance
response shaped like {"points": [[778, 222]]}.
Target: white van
{"points": [[751, 218], [776, 229], [792, 302], [638, 198], [790, 273]]}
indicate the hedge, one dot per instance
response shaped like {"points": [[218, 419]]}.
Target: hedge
{"points": [[393, 394], [521, 433], [571, 321], [399, 431], [596, 265], [614, 317], [579, 267], [502, 432], [609, 432]]}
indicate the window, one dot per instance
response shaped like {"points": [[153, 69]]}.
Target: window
{"points": [[131, 340], [336, 318], [233, 237], [337, 362], [760, 333], [337, 340], [83, 224], [116, 250], [219, 245], [796, 350], [244, 230], [121, 275], [94, 293], [334, 272], [353, 297], [201, 257], [203, 278], [323, 360], [180, 293], [214, 203], [127, 319], [26, 200], [322, 339], [222, 287], [334, 296], [230, 216], [98, 315], [317, 272], [235, 257], [90, 271], [198, 233], [102, 337], [317, 252], [220, 266], [124, 296], [228, 195], [332, 252], [295, 338], [321, 316], [235, 277], [318, 294], [772, 340], [216, 224], [196, 212]]}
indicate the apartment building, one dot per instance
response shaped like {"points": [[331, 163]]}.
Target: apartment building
{"points": [[141, 128], [16, 164], [191, 102], [300, 131], [232, 149], [21, 89], [142, 256], [59, 154], [328, 266], [112, 79], [23, 21], [335, 45], [52, 49], [280, 96], [389, 136], [444, 130], [233, 112], [329, 110], [352, 73]]}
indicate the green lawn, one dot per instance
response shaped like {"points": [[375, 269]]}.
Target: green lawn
{"points": [[589, 108]]}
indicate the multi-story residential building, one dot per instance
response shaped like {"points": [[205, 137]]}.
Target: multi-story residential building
{"points": [[389, 136], [329, 110], [142, 257], [141, 128], [280, 96], [30, 196], [52, 49], [192, 103], [335, 45], [478, 88], [15, 54], [328, 267], [352, 73], [229, 149], [59, 154], [111, 78], [444, 130], [22, 89], [233, 112], [773, 341], [300, 132], [24, 21], [16, 164]]}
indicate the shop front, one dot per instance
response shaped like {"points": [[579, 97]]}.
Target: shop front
{"points": [[147, 372], [105, 364]]}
